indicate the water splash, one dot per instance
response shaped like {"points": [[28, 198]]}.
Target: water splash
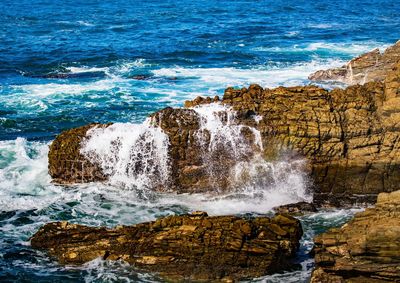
{"points": [[133, 155]]}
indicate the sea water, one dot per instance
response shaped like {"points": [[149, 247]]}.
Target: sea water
{"points": [[67, 63]]}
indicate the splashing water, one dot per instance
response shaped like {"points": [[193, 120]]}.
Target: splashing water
{"points": [[133, 155]]}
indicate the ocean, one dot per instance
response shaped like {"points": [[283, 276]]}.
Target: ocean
{"points": [[67, 63]]}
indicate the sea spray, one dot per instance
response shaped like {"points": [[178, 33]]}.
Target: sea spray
{"points": [[132, 155], [136, 157]]}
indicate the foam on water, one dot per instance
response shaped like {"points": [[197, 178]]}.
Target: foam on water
{"points": [[341, 48], [219, 78]]}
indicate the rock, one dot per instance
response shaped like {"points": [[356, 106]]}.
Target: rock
{"points": [[350, 138], [66, 164], [371, 66], [189, 247], [366, 249], [296, 208]]}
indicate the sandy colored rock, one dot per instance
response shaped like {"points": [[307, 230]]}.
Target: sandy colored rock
{"points": [[366, 249], [368, 67], [189, 247]]}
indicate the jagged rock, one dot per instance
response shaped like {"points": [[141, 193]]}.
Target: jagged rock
{"points": [[189, 247], [371, 66], [296, 208], [66, 164], [366, 249], [349, 136]]}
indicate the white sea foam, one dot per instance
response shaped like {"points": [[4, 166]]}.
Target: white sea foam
{"points": [[265, 76], [352, 49], [133, 155], [23, 175]]}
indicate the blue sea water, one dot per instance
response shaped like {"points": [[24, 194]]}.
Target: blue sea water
{"points": [[67, 63]]}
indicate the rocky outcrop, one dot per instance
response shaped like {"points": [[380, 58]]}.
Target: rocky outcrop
{"points": [[367, 249], [67, 164], [349, 136], [189, 247], [371, 66]]}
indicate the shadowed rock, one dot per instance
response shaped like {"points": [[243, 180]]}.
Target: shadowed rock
{"points": [[189, 247], [371, 66], [366, 249], [296, 208]]}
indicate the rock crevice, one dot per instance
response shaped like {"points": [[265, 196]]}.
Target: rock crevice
{"points": [[189, 247]]}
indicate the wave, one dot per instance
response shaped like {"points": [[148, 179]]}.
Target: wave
{"points": [[219, 78], [353, 49]]}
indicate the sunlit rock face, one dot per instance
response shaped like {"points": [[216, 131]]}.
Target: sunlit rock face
{"points": [[346, 140], [366, 249], [189, 247], [371, 66]]}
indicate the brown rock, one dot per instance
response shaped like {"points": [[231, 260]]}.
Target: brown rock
{"points": [[189, 247], [349, 136], [296, 208], [367, 249], [371, 66], [66, 163]]}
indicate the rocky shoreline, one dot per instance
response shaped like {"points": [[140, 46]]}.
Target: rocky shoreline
{"points": [[349, 139], [192, 247]]}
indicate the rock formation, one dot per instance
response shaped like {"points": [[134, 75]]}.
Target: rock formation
{"points": [[371, 66], [350, 138], [189, 247], [367, 249]]}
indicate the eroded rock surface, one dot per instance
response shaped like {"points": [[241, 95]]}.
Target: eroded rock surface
{"points": [[189, 247], [371, 66], [350, 138], [366, 249]]}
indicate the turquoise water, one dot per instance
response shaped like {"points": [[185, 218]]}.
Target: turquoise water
{"points": [[67, 63]]}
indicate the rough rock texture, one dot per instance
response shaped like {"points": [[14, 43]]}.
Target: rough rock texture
{"points": [[298, 208], [350, 137], [367, 249], [67, 164], [371, 66], [189, 247]]}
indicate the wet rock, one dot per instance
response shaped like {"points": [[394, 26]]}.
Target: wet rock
{"points": [[66, 164], [371, 66], [189, 247], [350, 138], [296, 208], [366, 249]]}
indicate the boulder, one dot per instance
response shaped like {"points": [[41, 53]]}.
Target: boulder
{"points": [[189, 247], [368, 67], [298, 208], [366, 249]]}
